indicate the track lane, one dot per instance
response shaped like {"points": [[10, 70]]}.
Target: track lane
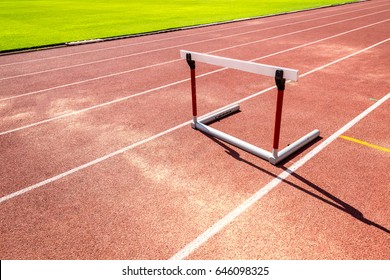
{"points": [[91, 150], [37, 83], [126, 120], [153, 190], [117, 86]]}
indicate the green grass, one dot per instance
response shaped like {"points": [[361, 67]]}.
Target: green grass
{"points": [[32, 23]]}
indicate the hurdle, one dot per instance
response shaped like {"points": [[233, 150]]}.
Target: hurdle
{"points": [[280, 74]]}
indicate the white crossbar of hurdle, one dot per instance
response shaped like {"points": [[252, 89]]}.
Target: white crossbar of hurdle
{"points": [[279, 73]]}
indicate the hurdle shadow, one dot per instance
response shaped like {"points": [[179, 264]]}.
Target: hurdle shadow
{"points": [[328, 197]]}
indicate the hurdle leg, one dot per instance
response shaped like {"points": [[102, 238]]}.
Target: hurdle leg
{"points": [[280, 83], [277, 155], [191, 63]]}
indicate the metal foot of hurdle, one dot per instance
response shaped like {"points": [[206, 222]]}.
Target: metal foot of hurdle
{"points": [[279, 73]]}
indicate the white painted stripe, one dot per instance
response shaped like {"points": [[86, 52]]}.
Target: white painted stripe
{"points": [[91, 108], [91, 63], [88, 164], [345, 57], [62, 175], [279, 36], [178, 82], [87, 81], [323, 39], [201, 33], [230, 217]]}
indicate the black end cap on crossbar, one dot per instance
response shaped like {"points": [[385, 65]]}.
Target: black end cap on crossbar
{"points": [[190, 62], [279, 80]]}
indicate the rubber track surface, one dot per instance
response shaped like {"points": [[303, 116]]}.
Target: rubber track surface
{"points": [[99, 161]]}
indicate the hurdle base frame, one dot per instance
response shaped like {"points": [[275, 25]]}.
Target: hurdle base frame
{"points": [[273, 157]]}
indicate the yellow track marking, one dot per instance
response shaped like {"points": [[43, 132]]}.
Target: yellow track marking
{"points": [[365, 143]]}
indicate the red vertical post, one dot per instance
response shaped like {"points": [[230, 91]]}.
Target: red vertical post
{"points": [[278, 118], [193, 93], [191, 63], [280, 83]]}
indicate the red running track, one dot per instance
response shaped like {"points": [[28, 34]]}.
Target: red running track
{"points": [[99, 160]]}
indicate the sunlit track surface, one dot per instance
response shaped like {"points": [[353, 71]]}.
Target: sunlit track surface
{"points": [[99, 161]]}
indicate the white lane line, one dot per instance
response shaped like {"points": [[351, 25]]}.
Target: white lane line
{"points": [[175, 83], [345, 57], [192, 43], [62, 175], [132, 70], [88, 164], [304, 30], [198, 33], [230, 217], [91, 108], [87, 81]]}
